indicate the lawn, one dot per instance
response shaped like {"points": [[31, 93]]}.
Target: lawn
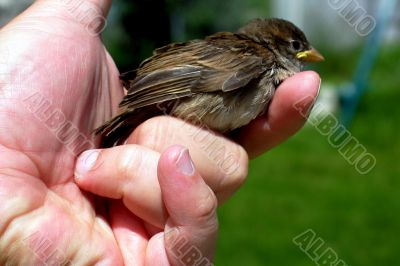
{"points": [[306, 184]]}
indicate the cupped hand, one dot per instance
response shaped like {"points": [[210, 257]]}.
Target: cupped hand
{"points": [[57, 83], [56, 80]]}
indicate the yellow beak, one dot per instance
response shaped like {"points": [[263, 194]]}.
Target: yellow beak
{"points": [[310, 56]]}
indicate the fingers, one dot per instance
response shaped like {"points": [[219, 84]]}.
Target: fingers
{"points": [[190, 235], [130, 234], [127, 172], [192, 225], [222, 163], [286, 114]]}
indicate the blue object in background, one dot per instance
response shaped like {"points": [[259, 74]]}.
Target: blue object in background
{"points": [[351, 93]]}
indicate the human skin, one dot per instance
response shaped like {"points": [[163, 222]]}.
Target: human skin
{"points": [[48, 217]]}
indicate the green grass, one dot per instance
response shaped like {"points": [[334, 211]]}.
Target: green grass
{"points": [[305, 183]]}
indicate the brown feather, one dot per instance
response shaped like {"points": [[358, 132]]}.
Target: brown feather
{"points": [[224, 81]]}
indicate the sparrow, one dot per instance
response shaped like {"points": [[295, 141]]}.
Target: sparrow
{"points": [[223, 81]]}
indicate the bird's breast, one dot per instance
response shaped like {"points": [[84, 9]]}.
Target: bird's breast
{"points": [[226, 111]]}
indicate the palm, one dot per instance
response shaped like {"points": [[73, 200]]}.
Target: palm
{"points": [[60, 86], [69, 71]]}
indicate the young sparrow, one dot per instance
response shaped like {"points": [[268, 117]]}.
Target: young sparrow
{"points": [[223, 81]]}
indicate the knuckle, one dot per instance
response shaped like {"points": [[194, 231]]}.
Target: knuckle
{"points": [[236, 172], [206, 208], [152, 133], [128, 161]]}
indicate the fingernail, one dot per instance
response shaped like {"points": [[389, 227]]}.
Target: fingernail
{"points": [[86, 162], [185, 163]]}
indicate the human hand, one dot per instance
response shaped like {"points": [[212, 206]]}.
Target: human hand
{"points": [[73, 75], [128, 172], [57, 84], [56, 87], [189, 233]]}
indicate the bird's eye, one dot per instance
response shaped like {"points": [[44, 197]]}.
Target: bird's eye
{"points": [[296, 45]]}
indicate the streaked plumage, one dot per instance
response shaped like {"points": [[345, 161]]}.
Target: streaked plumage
{"points": [[223, 81]]}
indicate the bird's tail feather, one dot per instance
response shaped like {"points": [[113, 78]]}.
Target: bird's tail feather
{"points": [[118, 129]]}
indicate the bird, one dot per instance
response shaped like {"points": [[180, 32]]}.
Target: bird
{"points": [[223, 81]]}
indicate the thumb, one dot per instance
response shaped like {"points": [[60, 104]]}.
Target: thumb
{"points": [[191, 230]]}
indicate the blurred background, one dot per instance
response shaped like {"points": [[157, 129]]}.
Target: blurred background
{"points": [[304, 183]]}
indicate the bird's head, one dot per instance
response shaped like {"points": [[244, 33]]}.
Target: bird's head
{"points": [[286, 40]]}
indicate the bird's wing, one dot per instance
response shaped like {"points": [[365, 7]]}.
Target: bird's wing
{"points": [[180, 70]]}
